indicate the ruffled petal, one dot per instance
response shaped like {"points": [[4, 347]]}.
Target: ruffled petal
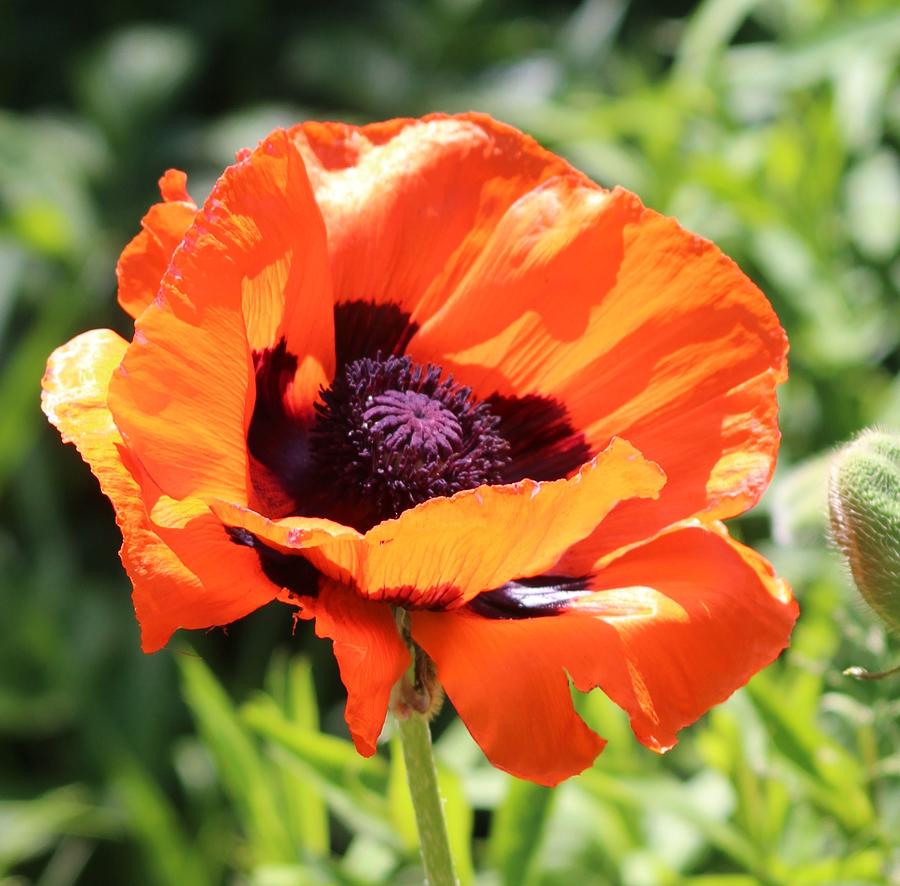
{"points": [[447, 550], [146, 258], [670, 629], [406, 199], [210, 581], [638, 329], [184, 395], [288, 533], [721, 615], [370, 653], [507, 681]]}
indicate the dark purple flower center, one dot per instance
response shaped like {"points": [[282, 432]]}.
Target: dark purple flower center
{"points": [[390, 434]]}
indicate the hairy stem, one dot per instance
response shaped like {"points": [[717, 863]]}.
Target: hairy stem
{"points": [[423, 786]]}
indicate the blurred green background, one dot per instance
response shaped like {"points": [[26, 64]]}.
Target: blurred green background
{"points": [[771, 127]]}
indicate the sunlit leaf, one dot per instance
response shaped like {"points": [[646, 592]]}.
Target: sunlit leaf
{"points": [[241, 768], [153, 821], [518, 826], [290, 684], [354, 787], [30, 827]]}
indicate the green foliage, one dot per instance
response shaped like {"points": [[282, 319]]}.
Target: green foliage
{"points": [[769, 126], [516, 834]]}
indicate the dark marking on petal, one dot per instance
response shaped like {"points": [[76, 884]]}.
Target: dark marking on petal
{"points": [[535, 597], [543, 444], [241, 536], [275, 369], [437, 598], [276, 439], [279, 441], [364, 329], [296, 574], [290, 571]]}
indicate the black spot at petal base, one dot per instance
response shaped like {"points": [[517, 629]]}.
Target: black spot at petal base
{"points": [[536, 597], [291, 571]]}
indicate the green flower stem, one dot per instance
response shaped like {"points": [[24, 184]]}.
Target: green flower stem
{"points": [[423, 786]]}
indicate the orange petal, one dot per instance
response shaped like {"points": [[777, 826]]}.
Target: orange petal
{"points": [[672, 628], [145, 259], [370, 653], [639, 328], [220, 582], [288, 533], [508, 684], [184, 395], [404, 198], [227, 580], [447, 550]]}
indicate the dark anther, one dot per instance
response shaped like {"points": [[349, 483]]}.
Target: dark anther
{"points": [[390, 434]]}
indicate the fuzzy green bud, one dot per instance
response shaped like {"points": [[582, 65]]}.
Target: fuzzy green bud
{"points": [[864, 500]]}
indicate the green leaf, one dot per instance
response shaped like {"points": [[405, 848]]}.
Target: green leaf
{"points": [[663, 793], [782, 66], [154, 823], [403, 814], [872, 191], [484, 785], [863, 868], [720, 880], [833, 778], [460, 820], [355, 788], [30, 827], [368, 860], [46, 163], [732, 741], [20, 381], [709, 30], [517, 830], [798, 501], [290, 684], [245, 778], [134, 74]]}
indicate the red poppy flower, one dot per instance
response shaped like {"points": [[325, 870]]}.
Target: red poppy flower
{"points": [[426, 365]]}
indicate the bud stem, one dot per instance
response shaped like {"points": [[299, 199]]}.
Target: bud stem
{"points": [[862, 674]]}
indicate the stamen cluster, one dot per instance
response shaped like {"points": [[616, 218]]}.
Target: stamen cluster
{"points": [[391, 434]]}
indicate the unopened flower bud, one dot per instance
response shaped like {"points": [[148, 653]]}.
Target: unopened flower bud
{"points": [[864, 501]]}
